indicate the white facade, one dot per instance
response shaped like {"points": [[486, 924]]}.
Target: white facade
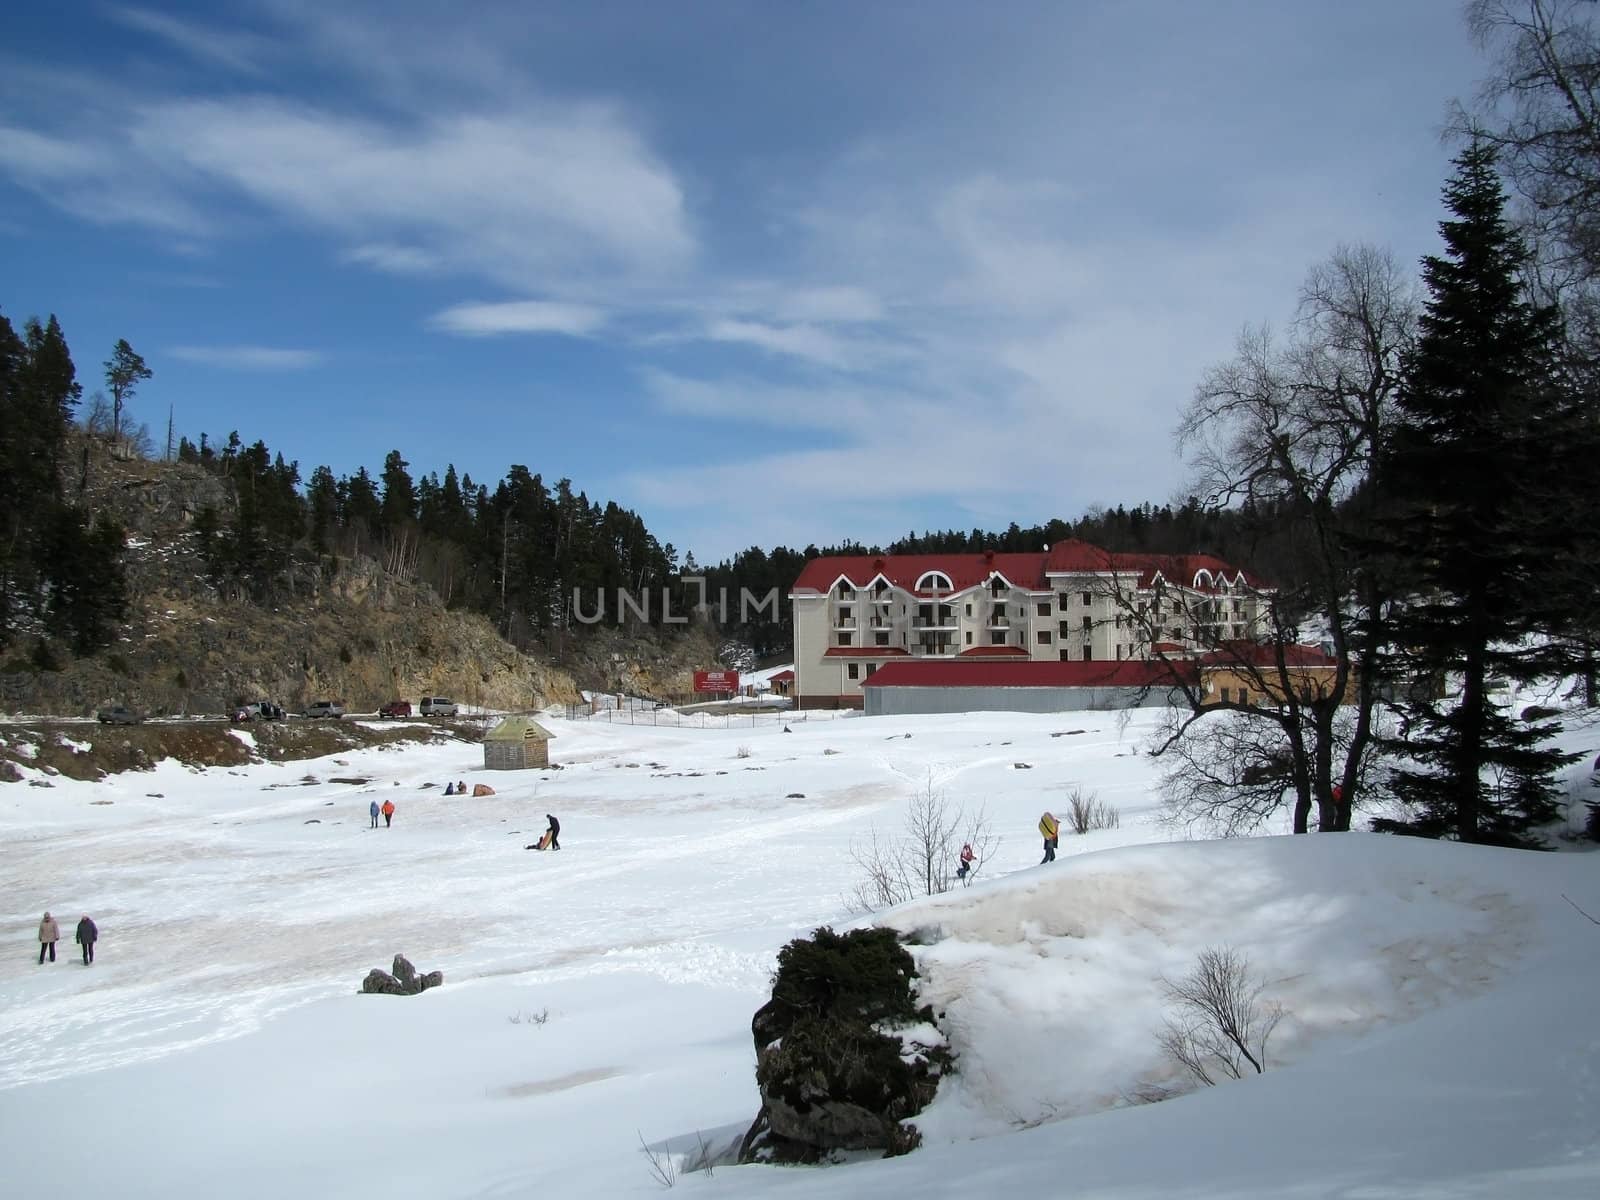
{"points": [[848, 625]]}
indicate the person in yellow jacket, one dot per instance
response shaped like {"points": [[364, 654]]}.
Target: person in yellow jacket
{"points": [[1051, 828]]}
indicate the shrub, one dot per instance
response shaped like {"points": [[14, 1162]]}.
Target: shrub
{"points": [[181, 679], [1222, 1024], [831, 1072], [117, 664], [1085, 812], [44, 658], [344, 655]]}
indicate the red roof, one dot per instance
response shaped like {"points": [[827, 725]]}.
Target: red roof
{"points": [[1030, 571], [993, 652], [906, 570], [865, 652], [1118, 673], [1264, 654], [781, 677]]}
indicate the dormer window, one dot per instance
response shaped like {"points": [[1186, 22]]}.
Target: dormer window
{"points": [[844, 589], [934, 581]]}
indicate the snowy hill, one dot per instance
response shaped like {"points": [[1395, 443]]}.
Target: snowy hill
{"points": [[1436, 1041]]}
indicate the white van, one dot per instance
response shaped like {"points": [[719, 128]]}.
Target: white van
{"points": [[438, 706]]}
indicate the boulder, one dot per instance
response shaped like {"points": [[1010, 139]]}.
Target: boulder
{"points": [[402, 981]]}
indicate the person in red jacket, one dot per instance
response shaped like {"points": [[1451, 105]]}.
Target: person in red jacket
{"points": [[388, 812], [966, 856]]}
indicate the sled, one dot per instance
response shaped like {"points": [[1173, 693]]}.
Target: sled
{"points": [[1049, 826], [544, 842], [482, 789]]}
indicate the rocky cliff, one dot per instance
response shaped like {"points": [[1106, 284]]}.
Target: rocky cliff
{"points": [[356, 634]]}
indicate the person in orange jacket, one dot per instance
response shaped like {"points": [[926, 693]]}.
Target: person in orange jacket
{"points": [[388, 812]]}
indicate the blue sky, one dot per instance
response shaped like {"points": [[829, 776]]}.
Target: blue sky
{"points": [[764, 272]]}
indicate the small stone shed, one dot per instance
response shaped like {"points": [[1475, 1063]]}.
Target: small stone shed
{"points": [[516, 744]]}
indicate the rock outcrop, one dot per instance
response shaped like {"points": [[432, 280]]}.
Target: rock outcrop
{"points": [[401, 980]]}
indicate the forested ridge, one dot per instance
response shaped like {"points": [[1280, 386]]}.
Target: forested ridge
{"points": [[538, 559]]}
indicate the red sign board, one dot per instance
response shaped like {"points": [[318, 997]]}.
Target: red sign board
{"points": [[716, 681]]}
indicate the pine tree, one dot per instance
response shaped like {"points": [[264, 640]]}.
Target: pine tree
{"points": [[1473, 519]]}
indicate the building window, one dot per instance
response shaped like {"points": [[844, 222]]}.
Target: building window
{"points": [[881, 638], [1088, 621], [871, 667], [853, 670], [1087, 599], [1088, 652], [969, 637], [844, 638], [1044, 609], [1061, 601], [1066, 654], [1227, 694], [1119, 649], [1244, 695], [1065, 628], [1044, 637], [844, 612], [969, 610], [844, 589], [997, 638]]}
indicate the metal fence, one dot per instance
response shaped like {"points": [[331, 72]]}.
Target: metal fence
{"points": [[673, 718]]}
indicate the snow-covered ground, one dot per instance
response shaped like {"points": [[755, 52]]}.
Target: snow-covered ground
{"points": [[1440, 1040]]}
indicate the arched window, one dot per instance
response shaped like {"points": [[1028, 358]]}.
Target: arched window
{"points": [[1203, 578], [934, 581]]}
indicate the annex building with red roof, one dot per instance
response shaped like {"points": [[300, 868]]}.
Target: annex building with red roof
{"points": [[1074, 608]]}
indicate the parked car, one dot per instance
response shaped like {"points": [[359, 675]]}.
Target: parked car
{"points": [[258, 710], [324, 708], [438, 706], [396, 708], [118, 714]]}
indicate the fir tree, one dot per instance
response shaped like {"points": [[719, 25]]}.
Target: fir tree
{"points": [[1473, 517]]}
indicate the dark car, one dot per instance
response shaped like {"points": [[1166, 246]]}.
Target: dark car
{"points": [[118, 714], [396, 708]]}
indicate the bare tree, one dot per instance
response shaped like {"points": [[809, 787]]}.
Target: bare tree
{"points": [[1288, 430], [1222, 1025], [921, 860]]}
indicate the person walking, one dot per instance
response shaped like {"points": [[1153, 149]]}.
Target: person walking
{"points": [[554, 831], [1051, 828], [388, 813], [49, 934], [966, 858], [372, 811], [88, 935]]}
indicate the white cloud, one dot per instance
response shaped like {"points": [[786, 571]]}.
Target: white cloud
{"points": [[250, 358], [395, 259], [507, 195], [236, 51], [519, 316], [801, 341]]}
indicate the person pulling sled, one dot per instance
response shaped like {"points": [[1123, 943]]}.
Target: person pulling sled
{"points": [[966, 857]]}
